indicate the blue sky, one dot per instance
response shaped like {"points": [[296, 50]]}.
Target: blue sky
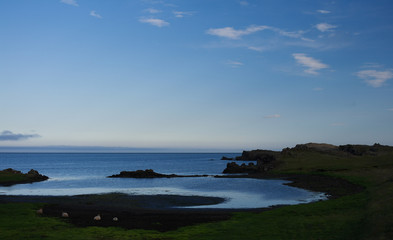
{"points": [[196, 74]]}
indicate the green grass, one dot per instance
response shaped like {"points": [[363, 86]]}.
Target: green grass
{"points": [[366, 215], [14, 178]]}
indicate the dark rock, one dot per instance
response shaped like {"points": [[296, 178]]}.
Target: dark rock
{"points": [[310, 147], [11, 171], [235, 168], [320, 147], [149, 173], [36, 176], [360, 150], [261, 155], [266, 160], [226, 158]]}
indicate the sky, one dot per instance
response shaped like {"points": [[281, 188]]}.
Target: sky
{"points": [[206, 75]]}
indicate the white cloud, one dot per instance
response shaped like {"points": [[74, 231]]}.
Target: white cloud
{"points": [[244, 3], [155, 22], [152, 10], [235, 64], [390, 109], [318, 89], [180, 14], [323, 11], [70, 2], [95, 14], [229, 32], [312, 65], [258, 49], [273, 116], [325, 27], [375, 78]]}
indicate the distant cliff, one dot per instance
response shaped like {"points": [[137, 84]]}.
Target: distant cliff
{"points": [[267, 160]]}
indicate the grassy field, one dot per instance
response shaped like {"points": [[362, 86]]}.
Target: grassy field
{"points": [[365, 215]]}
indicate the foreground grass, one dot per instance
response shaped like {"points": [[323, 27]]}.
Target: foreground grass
{"points": [[366, 215], [339, 219]]}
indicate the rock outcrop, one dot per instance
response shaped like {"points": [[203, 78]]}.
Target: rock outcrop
{"points": [[266, 160], [149, 173], [357, 150], [233, 167], [360, 150], [255, 155], [259, 155], [35, 176], [11, 176]]}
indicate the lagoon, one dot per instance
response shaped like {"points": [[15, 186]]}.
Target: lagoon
{"points": [[86, 173]]}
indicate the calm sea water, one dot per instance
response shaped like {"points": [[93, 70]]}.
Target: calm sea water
{"points": [[86, 173]]}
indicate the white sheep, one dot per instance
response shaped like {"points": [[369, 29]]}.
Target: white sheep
{"points": [[64, 215], [97, 218], [40, 211], [115, 219]]}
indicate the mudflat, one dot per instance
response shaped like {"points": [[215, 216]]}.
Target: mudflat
{"points": [[158, 212]]}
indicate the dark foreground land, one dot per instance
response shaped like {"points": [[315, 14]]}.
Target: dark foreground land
{"points": [[153, 212], [359, 180]]}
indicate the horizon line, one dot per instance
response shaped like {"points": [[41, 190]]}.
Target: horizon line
{"points": [[101, 149]]}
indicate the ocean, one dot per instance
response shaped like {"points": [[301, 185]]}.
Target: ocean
{"points": [[86, 173]]}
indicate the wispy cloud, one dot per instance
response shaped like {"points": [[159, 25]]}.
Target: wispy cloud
{"points": [[323, 11], [273, 116], [325, 27], [229, 32], [152, 10], [318, 89], [258, 49], [95, 14], [181, 14], [372, 65], [10, 136], [390, 109], [155, 22], [312, 65], [296, 34], [234, 64], [244, 3], [375, 78], [70, 2]]}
